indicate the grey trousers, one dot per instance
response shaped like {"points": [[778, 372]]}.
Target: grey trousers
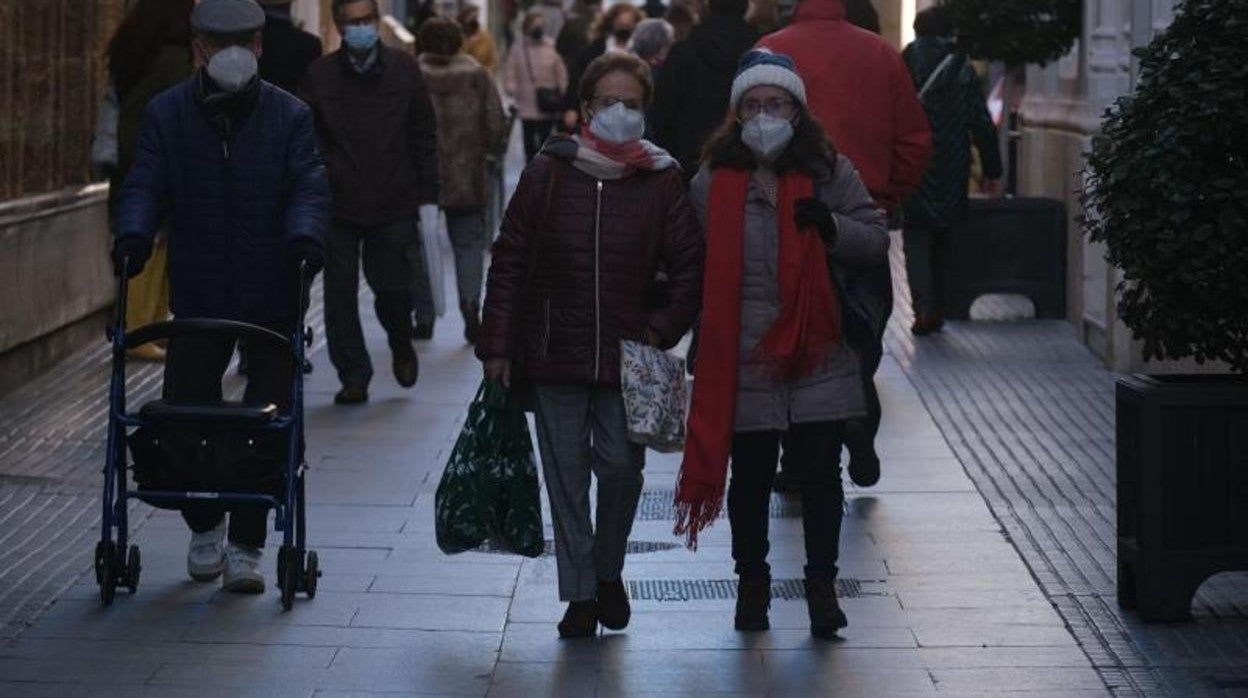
{"points": [[466, 228], [582, 429], [384, 251], [926, 254]]}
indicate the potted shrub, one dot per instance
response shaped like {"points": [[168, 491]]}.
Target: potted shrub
{"points": [[1016, 32], [1167, 194]]}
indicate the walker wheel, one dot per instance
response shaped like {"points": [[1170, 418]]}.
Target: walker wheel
{"points": [[106, 570], [288, 573], [311, 573], [134, 568]]}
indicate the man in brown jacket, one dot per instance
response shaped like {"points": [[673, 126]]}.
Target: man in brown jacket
{"points": [[376, 126]]}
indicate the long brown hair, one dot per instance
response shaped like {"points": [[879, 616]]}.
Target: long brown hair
{"points": [[810, 152], [150, 25]]}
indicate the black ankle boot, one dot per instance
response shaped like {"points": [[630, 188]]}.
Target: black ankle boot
{"points": [[753, 600], [580, 620], [614, 611], [825, 613]]}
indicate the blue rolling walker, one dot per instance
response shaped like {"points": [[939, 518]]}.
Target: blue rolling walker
{"points": [[119, 565]]}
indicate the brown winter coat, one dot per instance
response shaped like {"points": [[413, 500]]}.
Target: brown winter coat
{"points": [[470, 122], [597, 256], [378, 133]]}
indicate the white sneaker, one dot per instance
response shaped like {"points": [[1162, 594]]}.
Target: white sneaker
{"points": [[242, 569], [206, 558]]}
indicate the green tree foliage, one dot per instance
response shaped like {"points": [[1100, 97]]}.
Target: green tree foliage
{"points": [[1016, 32], [1167, 189]]}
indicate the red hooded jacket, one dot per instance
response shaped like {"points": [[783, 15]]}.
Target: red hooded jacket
{"points": [[859, 88]]}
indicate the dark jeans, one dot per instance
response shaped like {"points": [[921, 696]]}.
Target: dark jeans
{"points": [[193, 370], [927, 249], [535, 135], [388, 270], [816, 469]]}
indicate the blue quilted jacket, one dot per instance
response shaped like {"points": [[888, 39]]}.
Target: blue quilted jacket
{"points": [[230, 206]]}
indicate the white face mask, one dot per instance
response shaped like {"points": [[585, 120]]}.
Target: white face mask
{"points": [[767, 136], [618, 124], [232, 68]]}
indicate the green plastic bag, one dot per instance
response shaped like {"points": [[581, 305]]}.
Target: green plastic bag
{"points": [[489, 490]]}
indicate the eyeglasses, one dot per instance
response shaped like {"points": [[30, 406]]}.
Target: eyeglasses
{"points": [[778, 107], [604, 102], [360, 21]]}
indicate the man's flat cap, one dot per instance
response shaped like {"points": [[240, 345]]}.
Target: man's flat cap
{"points": [[227, 16]]}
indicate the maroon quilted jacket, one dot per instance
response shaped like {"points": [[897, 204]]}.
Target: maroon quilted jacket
{"points": [[601, 249]]}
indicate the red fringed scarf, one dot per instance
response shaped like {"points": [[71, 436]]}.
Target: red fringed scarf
{"points": [[800, 341]]}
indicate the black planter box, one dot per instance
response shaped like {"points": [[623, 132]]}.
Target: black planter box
{"points": [[1015, 246], [1182, 488]]}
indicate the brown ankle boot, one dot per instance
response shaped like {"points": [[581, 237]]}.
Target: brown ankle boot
{"points": [[825, 613], [580, 620], [753, 600]]}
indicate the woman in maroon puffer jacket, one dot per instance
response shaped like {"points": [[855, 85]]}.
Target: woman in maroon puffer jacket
{"points": [[594, 219]]}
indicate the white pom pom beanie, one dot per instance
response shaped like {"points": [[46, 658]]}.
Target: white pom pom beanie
{"points": [[762, 67]]}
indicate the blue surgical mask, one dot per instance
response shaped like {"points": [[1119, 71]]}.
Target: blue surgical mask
{"points": [[360, 37], [618, 124]]}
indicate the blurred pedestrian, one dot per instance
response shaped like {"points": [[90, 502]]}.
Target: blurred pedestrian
{"points": [[692, 92], [288, 50], [953, 98], [149, 53], [536, 79], [574, 37], [763, 16], [654, 9], [376, 123], [651, 42], [862, 14], [786, 219], [862, 95], [611, 35], [470, 123], [683, 17], [477, 40], [592, 219], [218, 155]]}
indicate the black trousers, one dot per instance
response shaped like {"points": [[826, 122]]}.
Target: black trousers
{"points": [[860, 433], [535, 135], [387, 261], [194, 367], [815, 467]]}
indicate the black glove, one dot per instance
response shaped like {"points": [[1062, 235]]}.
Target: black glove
{"points": [[130, 254], [813, 213], [307, 250]]}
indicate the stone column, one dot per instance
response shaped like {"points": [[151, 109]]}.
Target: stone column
{"points": [[1062, 111]]}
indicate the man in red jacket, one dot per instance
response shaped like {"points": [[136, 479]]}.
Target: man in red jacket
{"points": [[858, 86], [860, 90]]}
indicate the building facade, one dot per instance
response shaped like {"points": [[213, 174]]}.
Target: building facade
{"points": [[1062, 111]]}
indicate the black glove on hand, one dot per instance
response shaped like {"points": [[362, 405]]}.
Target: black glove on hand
{"points": [[306, 250], [813, 213], [130, 254]]}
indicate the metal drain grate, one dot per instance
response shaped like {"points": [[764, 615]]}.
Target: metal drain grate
{"points": [[724, 589], [656, 505], [635, 547]]}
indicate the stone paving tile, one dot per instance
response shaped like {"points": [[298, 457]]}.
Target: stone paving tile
{"points": [[1029, 412], [944, 591]]}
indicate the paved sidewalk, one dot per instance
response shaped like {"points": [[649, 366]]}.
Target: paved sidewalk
{"points": [[938, 598]]}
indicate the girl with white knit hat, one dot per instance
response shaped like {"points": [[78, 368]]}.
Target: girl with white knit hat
{"points": [[788, 225]]}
